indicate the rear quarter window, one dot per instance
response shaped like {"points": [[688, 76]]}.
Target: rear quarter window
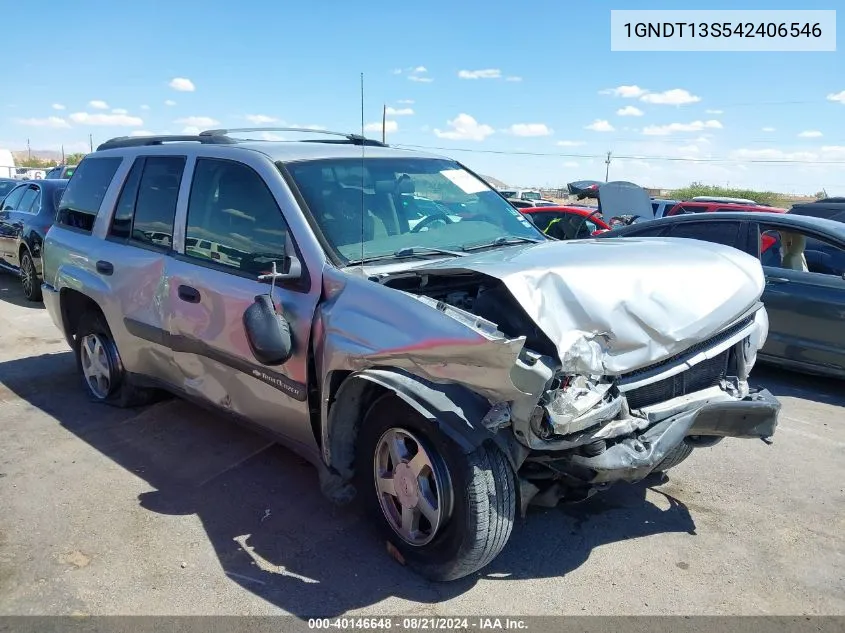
{"points": [[84, 194]]}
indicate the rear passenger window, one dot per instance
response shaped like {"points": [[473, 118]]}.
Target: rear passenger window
{"points": [[12, 200], [121, 226], [85, 192], [726, 233], [155, 206], [30, 196], [233, 218]]}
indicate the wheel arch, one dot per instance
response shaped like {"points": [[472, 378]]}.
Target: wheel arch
{"points": [[453, 409], [73, 304]]}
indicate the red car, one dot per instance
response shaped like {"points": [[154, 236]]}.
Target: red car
{"points": [[691, 206], [567, 223]]}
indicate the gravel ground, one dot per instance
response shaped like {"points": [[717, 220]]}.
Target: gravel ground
{"points": [[170, 510]]}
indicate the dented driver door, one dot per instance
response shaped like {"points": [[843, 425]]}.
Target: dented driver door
{"points": [[233, 208]]}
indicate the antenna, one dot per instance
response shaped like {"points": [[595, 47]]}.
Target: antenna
{"points": [[363, 150]]}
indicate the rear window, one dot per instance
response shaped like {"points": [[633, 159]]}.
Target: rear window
{"points": [[6, 187], [83, 196]]}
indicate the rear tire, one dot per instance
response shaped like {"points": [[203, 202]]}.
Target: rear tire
{"points": [[30, 281], [475, 493], [673, 457], [99, 364]]}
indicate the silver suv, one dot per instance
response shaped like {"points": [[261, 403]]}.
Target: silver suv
{"points": [[448, 370]]}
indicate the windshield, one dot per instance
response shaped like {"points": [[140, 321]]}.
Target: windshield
{"points": [[407, 203], [531, 195]]}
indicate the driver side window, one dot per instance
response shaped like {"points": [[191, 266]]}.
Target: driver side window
{"points": [[233, 219]]}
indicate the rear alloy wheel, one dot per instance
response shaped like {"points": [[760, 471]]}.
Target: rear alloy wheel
{"points": [[99, 363], [30, 282], [446, 513]]}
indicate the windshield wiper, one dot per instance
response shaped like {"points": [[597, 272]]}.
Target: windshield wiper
{"points": [[499, 241], [408, 251]]}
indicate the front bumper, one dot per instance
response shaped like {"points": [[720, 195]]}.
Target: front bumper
{"points": [[632, 459]]}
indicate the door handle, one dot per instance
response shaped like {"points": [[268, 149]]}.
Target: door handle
{"points": [[777, 280], [191, 295], [104, 267]]}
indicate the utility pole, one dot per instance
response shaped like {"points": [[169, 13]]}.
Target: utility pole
{"points": [[384, 123], [91, 142], [28, 150], [607, 168], [63, 155]]}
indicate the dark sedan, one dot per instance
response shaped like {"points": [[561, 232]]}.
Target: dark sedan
{"points": [[26, 214], [803, 259]]}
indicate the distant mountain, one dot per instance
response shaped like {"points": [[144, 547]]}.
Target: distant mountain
{"points": [[495, 182], [44, 154]]}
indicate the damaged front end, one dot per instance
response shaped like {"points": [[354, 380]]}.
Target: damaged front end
{"points": [[584, 384]]}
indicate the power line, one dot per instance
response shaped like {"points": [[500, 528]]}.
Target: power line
{"points": [[679, 159]]}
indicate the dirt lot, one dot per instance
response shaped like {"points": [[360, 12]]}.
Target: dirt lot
{"points": [[169, 510]]}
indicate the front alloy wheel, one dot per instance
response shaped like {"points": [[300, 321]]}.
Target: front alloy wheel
{"points": [[446, 512], [411, 488]]}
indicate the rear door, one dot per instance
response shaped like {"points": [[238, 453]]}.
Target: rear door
{"points": [[805, 308], [233, 208], [22, 219], [135, 259]]}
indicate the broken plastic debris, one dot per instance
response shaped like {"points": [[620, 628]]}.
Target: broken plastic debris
{"points": [[584, 356], [395, 554]]}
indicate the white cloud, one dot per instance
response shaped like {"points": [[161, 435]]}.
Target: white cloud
{"points": [[671, 128], [629, 111], [50, 121], [837, 96], [768, 129], [513, 78], [119, 111], [676, 96], [600, 125], [530, 129], [114, 120], [260, 119], [464, 127], [397, 71], [141, 133], [689, 149], [714, 111], [389, 127], [170, 102], [419, 69], [97, 104], [408, 101], [58, 106], [628, 92], [399, 111], [182, 84], [145, 107], [810, 134], [198, 121], [423, 80], [570, 143], [487, 73], [772, 154], [191, 129], [571, 164]]}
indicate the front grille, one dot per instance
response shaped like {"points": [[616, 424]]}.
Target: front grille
{"points": [[689, 352], [708, 373]]}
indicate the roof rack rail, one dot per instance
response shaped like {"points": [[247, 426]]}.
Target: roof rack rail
{"points": [[355, 139], [144, 141]]}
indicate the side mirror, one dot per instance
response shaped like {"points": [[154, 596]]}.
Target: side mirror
{"points": [[267, 332], [291, 268]]}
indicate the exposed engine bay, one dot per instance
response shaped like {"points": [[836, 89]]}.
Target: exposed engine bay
{"points": [[597, 425]]}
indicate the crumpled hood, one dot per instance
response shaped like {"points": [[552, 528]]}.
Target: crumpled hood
{"points": [[614, 305]]}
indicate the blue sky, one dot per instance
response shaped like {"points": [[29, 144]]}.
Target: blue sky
{"points": [[546, 86]]}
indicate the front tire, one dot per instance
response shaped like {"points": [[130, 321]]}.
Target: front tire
{"points": [[446, 512], [673, 457], [30, 281]]}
